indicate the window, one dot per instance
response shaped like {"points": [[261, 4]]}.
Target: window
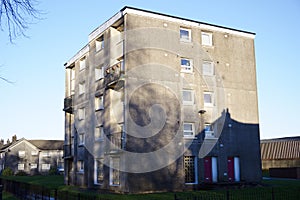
{"points": [[82, 64], [208, 98], [21, 154], [114, 175], [190, 169], [186, 65], [46, 166], [207, 68], [46, 154], [209, 133], [99, 172], [100, 43], [80, 166], [81, 113], [187, 97], [99, 103], [99, 133], [81, 139], [188, 130], [34, 153], [33, 165], [206, 38], [72, 81], [99, 73], [185, 35], [21, 166], [81, 88]]}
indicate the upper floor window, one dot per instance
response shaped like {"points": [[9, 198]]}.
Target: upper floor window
{"points": [[99, 133], [82, 63], [81, 139], [34, 153], [188, 130], [206, 38], [186, 65], [207, 68], [187, 97], [21, 166], [99, 73], [81, 88], [81, 113], [80, 166], [46, 166], [72, 81], [99, 103], [208, 98], [185, 35], [46, 154], [21, 154], [100, 43]]}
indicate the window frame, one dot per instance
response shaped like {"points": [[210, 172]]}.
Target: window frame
{"points": [[82, 63], [81, 89], [113, 172], [97, 169], [210, 37], [189, 136], [100, 135], [99, 102], [21, 154], [194, 170], [192, 96], [189, 31], [21, 168], [212, 68], [81, 114], [81, 139], [208, 104], [45, 166], [99, 43], [100, 75], [80, 165], [184, 67]]}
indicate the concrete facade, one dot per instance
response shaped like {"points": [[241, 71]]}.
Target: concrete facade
{"points": [[160, 103]]}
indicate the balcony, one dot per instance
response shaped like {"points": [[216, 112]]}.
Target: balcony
{"points": [[112, 76], [68, 104], [68, 151]]}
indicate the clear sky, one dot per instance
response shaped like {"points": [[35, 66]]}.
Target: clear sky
{"points": [[32, 106]]}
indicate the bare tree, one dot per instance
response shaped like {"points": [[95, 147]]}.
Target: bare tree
{"points": [[16, 15]]}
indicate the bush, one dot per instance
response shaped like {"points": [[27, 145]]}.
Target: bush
{"points": [[21, 173], [7, 172], [53, 171]]}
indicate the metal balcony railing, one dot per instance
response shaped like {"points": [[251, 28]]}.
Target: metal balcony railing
{"points": [[68, 104]]}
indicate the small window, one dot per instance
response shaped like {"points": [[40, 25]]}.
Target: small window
{"points": [[34, 153], [188, 130], [114, 174], [72, 81], [46, 166], [99, 133], [33, 165], [21, 154], [99, 103], [209, 133], [81, 88], [99, 73], [46, 154], [186, 65], [206, 39], [21, 166], [207, 68], [100, 43], [80, 166], [81, 139], [187, 97], [185, 35], [190, 169], [81, 113], [208, 98], [82, 64]]}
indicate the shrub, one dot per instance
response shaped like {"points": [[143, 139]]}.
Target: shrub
{"points": [[53, 171], [21, 173], [7, 172]]}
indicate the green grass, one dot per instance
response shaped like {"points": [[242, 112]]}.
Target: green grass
{"points": [[7, 196]]}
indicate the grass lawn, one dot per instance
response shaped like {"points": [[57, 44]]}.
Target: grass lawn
{"points": [[7, 196]]}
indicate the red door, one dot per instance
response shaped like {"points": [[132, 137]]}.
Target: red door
{"points": [[230, 166], [207, 170]]}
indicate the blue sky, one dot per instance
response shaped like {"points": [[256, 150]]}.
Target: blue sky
{"points": [[32, 106]]}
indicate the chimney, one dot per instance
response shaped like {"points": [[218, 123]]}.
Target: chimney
{"points": [[14, 138]]}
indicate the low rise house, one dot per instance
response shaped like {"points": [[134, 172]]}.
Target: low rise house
{"points": [[32, 156]]}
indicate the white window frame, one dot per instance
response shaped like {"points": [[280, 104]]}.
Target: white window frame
{"points": [[209, 104], [186, 68], [204, 42], [81, 166], [99, 73], [46, 166], [46, 154], [96, 171], [99, 103], [185, 132], [99, 133], [81, 139], [33, 165], [21, 166], [99, 43], [72, 81], [113, 165], [82, 64], [22, 154], [210, 66], [81, 114], [208, 130], [81, 88], [34, 153], [184, 102], [183, 39]]}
